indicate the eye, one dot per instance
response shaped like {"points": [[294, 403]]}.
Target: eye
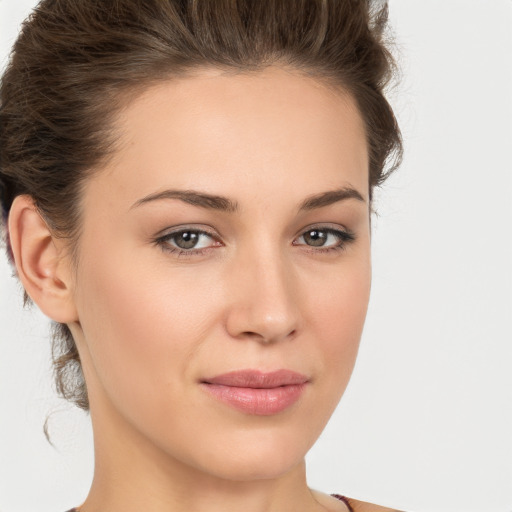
{"points": [[325, 239], [186, 241]]}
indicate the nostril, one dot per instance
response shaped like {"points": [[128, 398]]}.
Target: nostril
{"points": [[267, 338]]}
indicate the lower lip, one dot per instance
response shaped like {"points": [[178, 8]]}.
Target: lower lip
{"points": [[263, 402]]}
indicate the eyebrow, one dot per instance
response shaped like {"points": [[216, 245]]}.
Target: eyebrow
{"points": [[215, 202], [193, 197], [330, 197]]}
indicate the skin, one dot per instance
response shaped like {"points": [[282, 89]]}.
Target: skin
{"points": [[150, 324]]}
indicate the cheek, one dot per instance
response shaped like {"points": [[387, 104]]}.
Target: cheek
{"points": [[337, 309], [339, 301], [142, 326]]}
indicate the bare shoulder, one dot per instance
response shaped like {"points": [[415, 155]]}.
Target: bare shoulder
{"points": [[329, 502], [363, 506], [334, 505]]}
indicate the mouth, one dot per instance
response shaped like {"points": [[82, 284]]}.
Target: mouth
{"points": [[256, 392], [258, 379]]}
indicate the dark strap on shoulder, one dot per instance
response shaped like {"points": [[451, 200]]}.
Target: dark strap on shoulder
{"points": [[339, 496], [345, 500]]}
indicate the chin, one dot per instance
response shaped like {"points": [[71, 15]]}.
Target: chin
{"points": [[258, 459]]}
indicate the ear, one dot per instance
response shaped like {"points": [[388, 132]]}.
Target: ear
{"points": [[41, 263]]}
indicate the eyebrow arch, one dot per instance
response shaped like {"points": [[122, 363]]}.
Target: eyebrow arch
{"points": [[194, 198], [330, 197], [225, 204]]}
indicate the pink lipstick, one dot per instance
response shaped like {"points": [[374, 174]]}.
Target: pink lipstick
{"points": [[256, 392]]}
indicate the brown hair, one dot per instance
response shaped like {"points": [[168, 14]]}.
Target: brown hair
{"points": [[75, 63]]}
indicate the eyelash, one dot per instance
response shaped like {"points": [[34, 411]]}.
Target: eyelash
{"points": [[345, 237], [163, 242]]}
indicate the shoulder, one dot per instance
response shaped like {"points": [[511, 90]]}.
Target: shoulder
{"points": [[333, 504], [363, 506]]}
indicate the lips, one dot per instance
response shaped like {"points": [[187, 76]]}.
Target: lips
{"points": [[257, 379], [256, 392]]}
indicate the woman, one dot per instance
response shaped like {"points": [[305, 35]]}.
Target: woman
{"points": [[187, 189]]}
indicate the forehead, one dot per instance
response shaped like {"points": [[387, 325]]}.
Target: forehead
{"points": [[225, 132]]}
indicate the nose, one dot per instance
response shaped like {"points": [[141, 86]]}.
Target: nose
{"points": [[263, 299]]}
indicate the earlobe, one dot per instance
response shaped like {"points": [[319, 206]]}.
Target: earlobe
{"points": [[42, 269]]}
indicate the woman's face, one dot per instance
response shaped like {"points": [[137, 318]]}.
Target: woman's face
{"points": [[230, 232]]}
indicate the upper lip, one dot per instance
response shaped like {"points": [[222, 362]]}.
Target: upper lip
{"points": [[258, 379]]}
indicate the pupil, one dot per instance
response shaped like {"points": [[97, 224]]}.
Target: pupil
{"points": [[316, 238], [186, 240]]}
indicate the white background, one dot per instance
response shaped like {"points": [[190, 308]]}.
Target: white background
{"points": [[426, 423]]}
